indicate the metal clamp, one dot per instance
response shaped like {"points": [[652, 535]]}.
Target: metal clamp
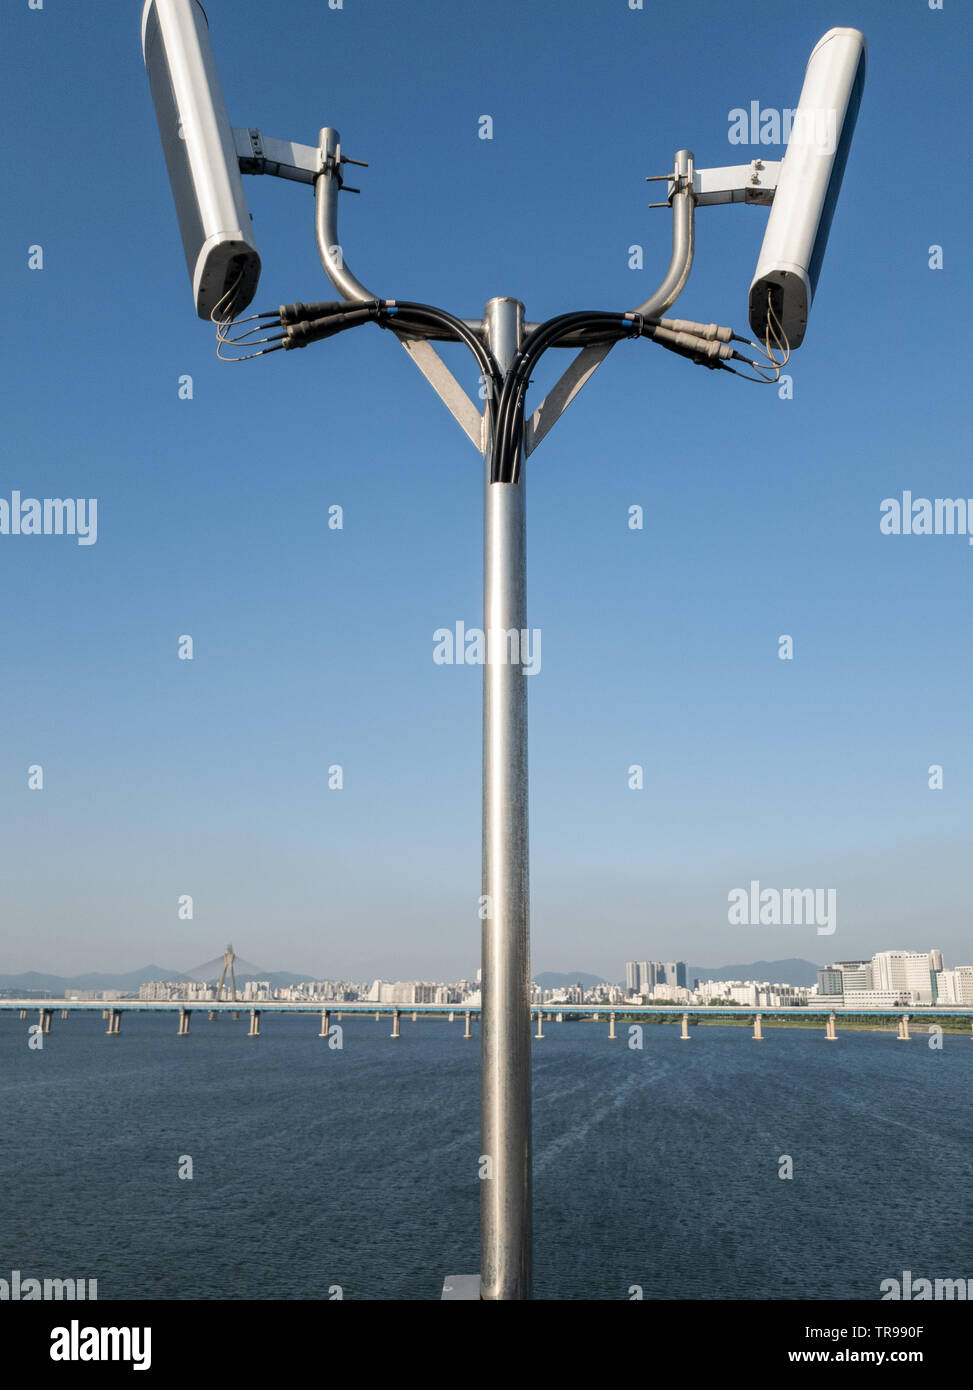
{"points": [[679, 182]]}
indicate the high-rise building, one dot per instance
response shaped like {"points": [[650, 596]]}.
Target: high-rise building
{"points": [[955, 986], [855, 974], [831, 981], [906, 972], [641, 977]]}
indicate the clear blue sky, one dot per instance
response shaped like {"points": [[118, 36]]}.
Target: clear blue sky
{"points": [[313, 647]]}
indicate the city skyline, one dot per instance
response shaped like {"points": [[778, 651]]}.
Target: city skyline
{"points": [[902, 970]]}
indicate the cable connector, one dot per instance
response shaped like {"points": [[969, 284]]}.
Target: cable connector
{"points": [[298, 335], [709, 331], [304, 313], [705, 352]]}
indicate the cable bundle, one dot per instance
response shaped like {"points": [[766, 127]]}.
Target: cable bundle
{"points": [[706, 344]]}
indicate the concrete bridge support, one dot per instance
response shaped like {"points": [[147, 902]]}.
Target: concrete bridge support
{"points": [[467, 1034], [829, 1029], [44, 1020], [415, 1016], [236, 1015], [904, 1028], [684, 1034], [114, 1021], [184, 1017], [325, 1024], [560, 1018], [23, 1013], [758, 1032], [254, 1024], [395, 1024], [611, 1028], [540, 1023], [212, 1015], [64, 1015], [452, 1016]]}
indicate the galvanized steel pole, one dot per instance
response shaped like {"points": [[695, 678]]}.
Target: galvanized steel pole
{"points": [[505, 1188]]}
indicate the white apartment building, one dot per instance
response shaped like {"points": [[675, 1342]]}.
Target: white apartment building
{"points": [[256, 991], [904, 971], [955, 986], [670, 994]]}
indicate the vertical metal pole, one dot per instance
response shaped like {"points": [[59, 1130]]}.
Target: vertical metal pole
{"points": [[505, 1197]]}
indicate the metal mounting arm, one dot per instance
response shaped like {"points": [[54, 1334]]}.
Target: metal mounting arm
{"points": [[263, 154], [326, 189], [423, 354], [755, 182], [683, 201]]}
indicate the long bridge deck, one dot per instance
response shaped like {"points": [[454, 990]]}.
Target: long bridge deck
{"points": [[332, 1006]]}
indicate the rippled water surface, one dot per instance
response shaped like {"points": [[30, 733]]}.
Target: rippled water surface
{"points": [[315, 1167]]}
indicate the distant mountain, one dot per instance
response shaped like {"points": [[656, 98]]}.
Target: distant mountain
{"points": [[34, 979], [784, 972], [550, 979], [57, 985]]}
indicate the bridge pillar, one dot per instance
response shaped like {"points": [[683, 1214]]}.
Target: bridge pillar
{"points": [[684, 1035], [183, 1023], [415, 1016], [540, 1023], [48, 1017], [236, 1015], [23, 1013], [64, 1015], [212, 1015], [611, 1027], [451, 1015], [339, 1018], [829, 1029], [395, 1024], [254, 1023], [325, 1024], [560, 1018], [467, 1034], [904, 1028], [114, 1021], [758, 1032], [104, 1013]]}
